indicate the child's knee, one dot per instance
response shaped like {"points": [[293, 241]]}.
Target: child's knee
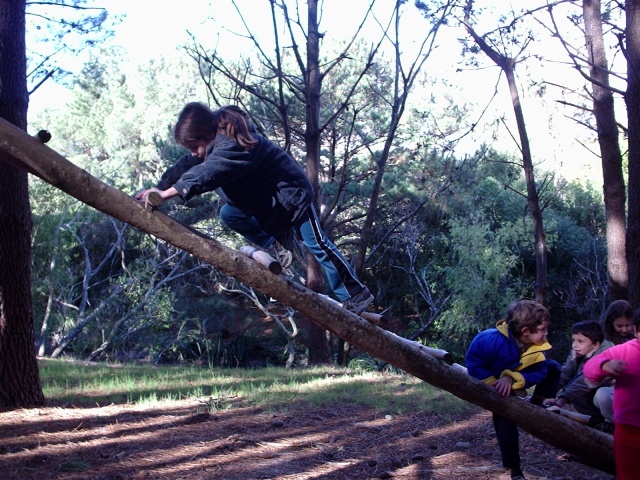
{"points": [[231, 216]]}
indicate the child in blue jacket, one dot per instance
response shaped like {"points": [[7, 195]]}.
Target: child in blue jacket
{"points": [[511, 358]]}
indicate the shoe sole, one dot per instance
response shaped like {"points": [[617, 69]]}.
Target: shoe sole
{"points": [[364, 304]]}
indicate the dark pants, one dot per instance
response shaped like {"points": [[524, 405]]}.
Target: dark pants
{"points": [[507, 430], [508, 440], [548, 387]]}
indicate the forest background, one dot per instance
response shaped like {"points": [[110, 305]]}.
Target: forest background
{"points": [[420, 176]]}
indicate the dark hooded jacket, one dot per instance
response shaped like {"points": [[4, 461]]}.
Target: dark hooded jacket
{"points": [[264, 182], [575, 388]]}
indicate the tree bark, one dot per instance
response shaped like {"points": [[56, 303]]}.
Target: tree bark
{"points": [[611, 157], [19, 375], [632, 99], [507, 65], [540, 241], [317, 339], [577, 439]]}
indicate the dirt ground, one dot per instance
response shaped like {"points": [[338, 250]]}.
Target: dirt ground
{"points": [[187, 441]]}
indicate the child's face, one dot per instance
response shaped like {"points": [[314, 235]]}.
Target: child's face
{"points": [[199, 149], [536, 337], [582, 345], [624, 327]]}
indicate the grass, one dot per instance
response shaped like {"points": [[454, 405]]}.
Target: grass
{"points": [[80, 384]]}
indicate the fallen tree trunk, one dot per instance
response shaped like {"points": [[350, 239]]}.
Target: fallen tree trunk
{"points": [[23, 151]]}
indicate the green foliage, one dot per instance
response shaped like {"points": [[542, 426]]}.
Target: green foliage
{"points": [[211, 332], [468, 253], [482, 277], [582, 204]]}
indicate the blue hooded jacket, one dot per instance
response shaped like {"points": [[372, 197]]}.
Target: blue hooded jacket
{"points": [[494, 353]]}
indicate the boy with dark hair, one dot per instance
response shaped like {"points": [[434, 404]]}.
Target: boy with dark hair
{"points": [[511, 357], [587, 342]]}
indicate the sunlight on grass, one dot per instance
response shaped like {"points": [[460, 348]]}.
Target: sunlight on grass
{"points": [[271, 388]]}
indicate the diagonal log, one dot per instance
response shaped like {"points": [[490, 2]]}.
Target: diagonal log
{"points": [[25, 152]]}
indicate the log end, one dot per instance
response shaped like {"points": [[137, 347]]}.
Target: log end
{"points": [[154, 199], [44, 136]]}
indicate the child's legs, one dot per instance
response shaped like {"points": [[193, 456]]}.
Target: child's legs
{"points": [[548, 387], [584, 405], [603, 399], [341, 277], [245, 225], [508, 440], [626, 450]]}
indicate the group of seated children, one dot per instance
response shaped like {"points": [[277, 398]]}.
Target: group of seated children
{"points": [[511, 357]]}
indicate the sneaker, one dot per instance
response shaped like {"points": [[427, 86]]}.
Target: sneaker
{"points": [[357, 303], [522, 394], [284, 256]]}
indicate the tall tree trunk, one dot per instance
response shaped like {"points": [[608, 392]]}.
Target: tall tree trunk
{"points": [[317, 342], [540, 241], [19, 376], [507, 65], [611, 157], [632, 99]]}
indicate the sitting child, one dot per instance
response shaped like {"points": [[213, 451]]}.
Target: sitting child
{"points": [[511, 357], [617, 322], [623, 362], [587, 341], [618, 328]]}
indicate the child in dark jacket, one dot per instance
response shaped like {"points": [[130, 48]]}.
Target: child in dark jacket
{"points": [[511, 357], [267, 195], [587, 342]]}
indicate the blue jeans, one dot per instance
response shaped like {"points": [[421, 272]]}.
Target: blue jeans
{"points": [[341, 278]]}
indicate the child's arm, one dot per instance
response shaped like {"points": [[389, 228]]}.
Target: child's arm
{"points": [[479, 358], [167, 194], [568, 370], [173, 173], [595, 369], [614, 367], [558, 402]]}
